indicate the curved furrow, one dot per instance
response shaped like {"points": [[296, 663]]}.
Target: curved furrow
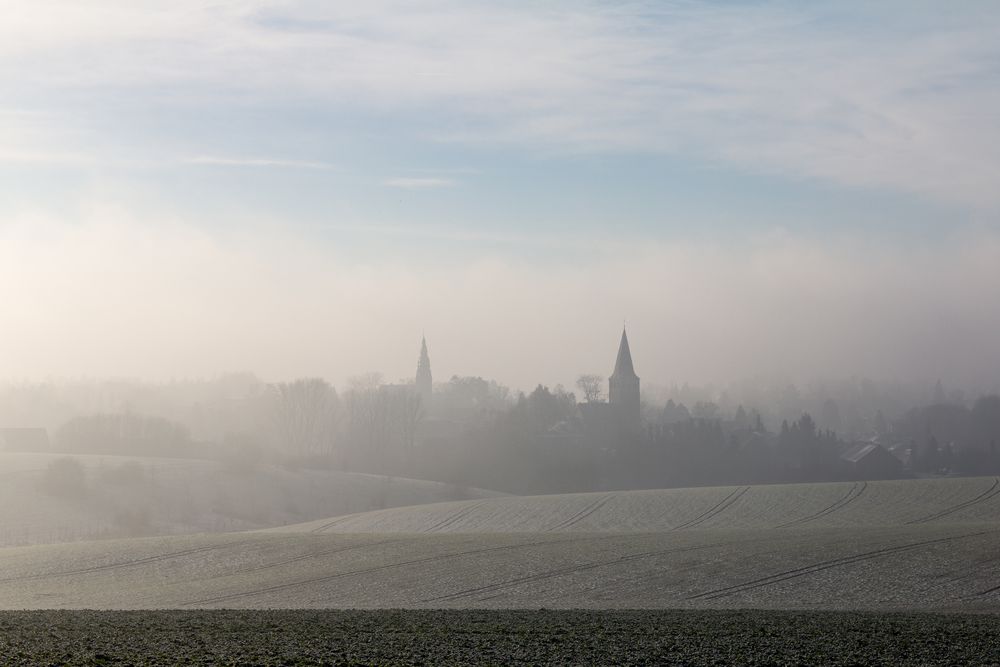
{"points": [[126, 563], [347, 517], [852, 494], [311, 555], [705, 514], [986, 495], [578, 519], [582, 514], [380, 568], [572, 569], [994, 589], [718, 509], [331, 524], [824, 565], [990, 590], [454, 518], [562, 571]]}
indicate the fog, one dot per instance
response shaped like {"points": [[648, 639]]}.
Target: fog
{"points": [[162, 377], [618, 329], [115, 294]]}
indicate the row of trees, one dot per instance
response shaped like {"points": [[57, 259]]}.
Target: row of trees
{"points": [[483, 435], [373, 426]]}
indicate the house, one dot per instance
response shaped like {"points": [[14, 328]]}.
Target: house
{"points": [[870, 460]]}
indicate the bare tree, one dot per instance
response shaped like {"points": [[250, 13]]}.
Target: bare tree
{"points": [[363, 408], [409, 412], [367, 416], [382, 421], [305, 414], [592, 387]]}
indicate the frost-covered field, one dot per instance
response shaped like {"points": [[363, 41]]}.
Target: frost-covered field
{"points": [[908, 545], [931, 567], [135, 496], [779, 506]]}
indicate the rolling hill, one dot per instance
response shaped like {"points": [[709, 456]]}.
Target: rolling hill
{"points": [[909, 545], [779, 506], [42, 500]]}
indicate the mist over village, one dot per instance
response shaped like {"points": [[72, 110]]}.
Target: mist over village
{"points": [[602, 433], [476, 333]]}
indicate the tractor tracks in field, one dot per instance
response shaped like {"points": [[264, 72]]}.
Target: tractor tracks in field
{"points": [[331, 524], [983, 497], [313, 554], [446, 522], [855, 492], [381, 568], [995, 589], [126, 563], [715, 510], [569, 570], [822, 565], [454, 518], [589, 509]]}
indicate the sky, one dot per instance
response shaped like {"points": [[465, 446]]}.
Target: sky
{"points": [[301, 188]]}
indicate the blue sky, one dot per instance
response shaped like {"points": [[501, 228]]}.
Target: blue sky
{"points": [[408, 149]]}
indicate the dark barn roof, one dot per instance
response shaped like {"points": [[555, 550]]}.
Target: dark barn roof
{"points": [[870, 460]]}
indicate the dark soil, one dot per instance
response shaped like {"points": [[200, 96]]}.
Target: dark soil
{"points": [[495, 637]]}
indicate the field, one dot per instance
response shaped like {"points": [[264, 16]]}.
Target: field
{"points": [[496, 637], [911, 545], [122, 496], [897, 573], [780, 506]]}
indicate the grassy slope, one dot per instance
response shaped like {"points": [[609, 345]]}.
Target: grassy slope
{"points": [[127, 496]]}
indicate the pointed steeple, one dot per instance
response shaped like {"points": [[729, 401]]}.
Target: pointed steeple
{"points": [[424, 381], [425, 359], [623, 364], [623, 388]]}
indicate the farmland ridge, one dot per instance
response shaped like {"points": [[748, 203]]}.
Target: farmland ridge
{"points": [[779, 506], [900, 546]]}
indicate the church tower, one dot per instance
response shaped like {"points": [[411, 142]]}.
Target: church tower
{"points": [[623, 390], [424, 383]]}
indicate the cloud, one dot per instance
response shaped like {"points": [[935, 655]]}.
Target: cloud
{"points": [[257, 162], [881, 96], [412, 183]]}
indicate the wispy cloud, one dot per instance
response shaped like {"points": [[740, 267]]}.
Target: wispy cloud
{"points": [[886, 95], [257, 162], [420, 183], [472, 238]]}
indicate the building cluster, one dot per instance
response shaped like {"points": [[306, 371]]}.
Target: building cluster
{"points": [[621, 414], [599, 425]]}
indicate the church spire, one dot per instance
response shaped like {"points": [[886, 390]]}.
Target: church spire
{"points": [[623, 388], [623, 364], [425, 359], [424, 381]]}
